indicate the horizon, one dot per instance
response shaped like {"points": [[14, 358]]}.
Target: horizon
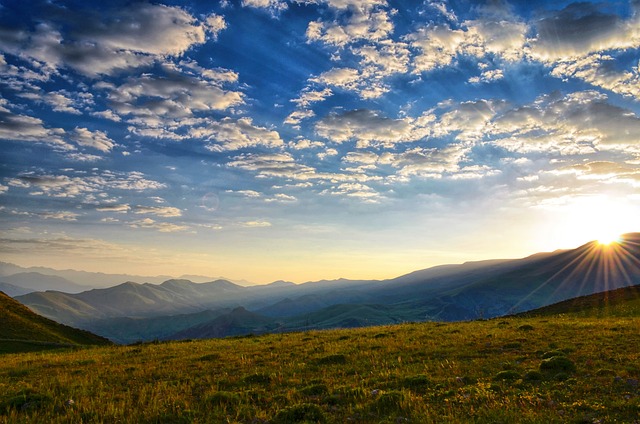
{"points": [[336, 139], [247, 283]]}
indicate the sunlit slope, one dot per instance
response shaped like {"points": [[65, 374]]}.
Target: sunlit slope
{"points": [[23, 330], [624, 302]]}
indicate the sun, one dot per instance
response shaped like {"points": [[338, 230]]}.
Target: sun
{"points": [[608, 239], [598, 218]]}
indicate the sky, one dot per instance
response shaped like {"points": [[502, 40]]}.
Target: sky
{"points": [[313, 139]]}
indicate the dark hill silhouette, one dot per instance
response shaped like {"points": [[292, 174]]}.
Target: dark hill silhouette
{"points": [[23, 330]]}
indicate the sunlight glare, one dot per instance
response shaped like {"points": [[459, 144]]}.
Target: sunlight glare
{"points": [[600, 218]]}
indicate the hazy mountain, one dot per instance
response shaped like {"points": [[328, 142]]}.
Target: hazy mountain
{"points": [[453, 292], [13, 291], [23, 330], [35, 281], [129, 330], [237, 322]]}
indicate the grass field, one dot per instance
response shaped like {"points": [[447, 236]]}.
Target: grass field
{"points": [[519, 369]]}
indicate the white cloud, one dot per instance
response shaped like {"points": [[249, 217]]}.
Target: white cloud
{"points": [[368, 127], [274, 6], [256, 224], [60, 216], [163, 211], [95, 43], [229, 134], [163, 227], [94, 139], [67, 186]]}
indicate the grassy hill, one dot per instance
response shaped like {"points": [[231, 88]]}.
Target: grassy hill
{"points": [[22, 330], [545, 368], [621, 302]]}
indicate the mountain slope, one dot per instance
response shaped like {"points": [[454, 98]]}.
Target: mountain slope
{"points": [[23, 330], [237, 322], [623, 302]]}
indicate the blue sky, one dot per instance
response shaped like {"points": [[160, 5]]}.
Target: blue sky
{"points": [[301, 140]]}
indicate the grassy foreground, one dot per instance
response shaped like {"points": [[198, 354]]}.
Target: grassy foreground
{"points": [[518, 369]]}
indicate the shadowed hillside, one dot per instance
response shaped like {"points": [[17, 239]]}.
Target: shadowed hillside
{"points": [[22, 330]]}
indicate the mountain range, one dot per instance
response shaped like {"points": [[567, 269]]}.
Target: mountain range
{"points": [[179, 308]]}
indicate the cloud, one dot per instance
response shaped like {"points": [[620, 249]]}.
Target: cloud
{"points": [[355, 20], [368, 127], [580, 122], [274, 6], [231, 134], [256, 224], [20, 127], [355, 190], [68, 186], [100, 42], [123, 208], [61, 216], [579, 29], [94, 139], [163, 211], [163, 227]]}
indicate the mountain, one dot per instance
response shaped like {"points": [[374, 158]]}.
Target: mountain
{"points": [[13, 291], [472, 290], [624, 302], [128, 330], [131, 300], [23, 330], [35, 281], [237, 322]]}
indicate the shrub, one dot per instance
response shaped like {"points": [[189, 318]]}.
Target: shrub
{"points": [[315, 390], [532, 375], [526, 327], [416, 382], [257, 379], [223, 399], [389, 403], [332, 360], [303, 413], [557, 364], [553, 353], [506, 375]]}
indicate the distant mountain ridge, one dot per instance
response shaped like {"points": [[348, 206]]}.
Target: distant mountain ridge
{"points": [[468, 291], [88, 280]]}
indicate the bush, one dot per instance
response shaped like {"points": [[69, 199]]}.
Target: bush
{"points": [[506, 375], [389, 403], [303, 413], [223, 399], [315, 390], [417, 382], [553, 353], [257, 379], [557, 364], [332, 360], [525, 327], [532, 375]]}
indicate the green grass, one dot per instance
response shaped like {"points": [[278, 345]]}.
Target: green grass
{"points": [[548, 369]]}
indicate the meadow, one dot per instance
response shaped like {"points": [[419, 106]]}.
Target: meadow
{"points": [[544, 369]]}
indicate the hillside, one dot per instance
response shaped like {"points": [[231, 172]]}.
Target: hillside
{"points": [[517, 369], [621, 302], [23, 330]]}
